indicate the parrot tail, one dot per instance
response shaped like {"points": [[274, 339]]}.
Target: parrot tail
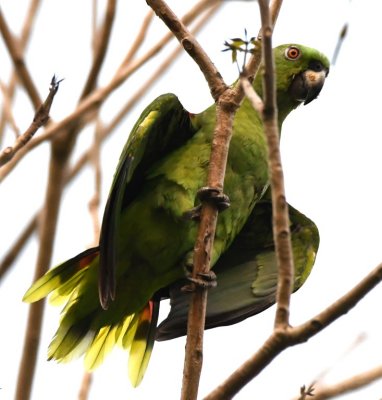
{"points": [[62, 279], [90, 331]]}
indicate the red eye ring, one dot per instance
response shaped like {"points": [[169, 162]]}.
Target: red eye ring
{"points": [[292, 53]]}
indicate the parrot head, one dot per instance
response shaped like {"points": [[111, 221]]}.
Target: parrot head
{"points": [[301, 72]]}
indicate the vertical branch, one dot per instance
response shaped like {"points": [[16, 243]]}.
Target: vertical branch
{"points": [[281, 230], [86, 382], [203, 246]]}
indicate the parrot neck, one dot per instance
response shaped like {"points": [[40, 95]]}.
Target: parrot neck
{"points": [[284, 102]]}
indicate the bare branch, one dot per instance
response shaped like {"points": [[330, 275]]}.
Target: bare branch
{"points": [[7, 114], [138, 40], [18, 245], [252, 96], [24, 37], [102, 42], [15, 52], [348, 385], [190, 44], [40, 119], [341, 38]]}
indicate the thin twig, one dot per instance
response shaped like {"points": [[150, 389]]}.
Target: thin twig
{"points": [[340, 41], [14, 49], [101, 42], [24, 37], [256, 101], [281, 339], [40, 119], [190, 44], [17, 246], [138, 41], [7, 114], [348, 385]]}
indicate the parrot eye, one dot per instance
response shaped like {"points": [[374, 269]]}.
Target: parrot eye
{"points": [[292, 53]]}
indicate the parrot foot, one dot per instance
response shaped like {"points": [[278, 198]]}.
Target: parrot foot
{"points": [[215, 196], [209, 194], [205, 280]]}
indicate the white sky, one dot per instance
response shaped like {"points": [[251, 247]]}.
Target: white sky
{"points": [[332, 159]]}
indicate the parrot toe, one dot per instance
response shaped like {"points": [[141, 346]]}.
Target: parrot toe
{"points": [[193, 214], [215, 196], [205, 280]]}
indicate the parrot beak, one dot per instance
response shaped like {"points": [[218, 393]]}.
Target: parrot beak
{"points": [[307, 85]]}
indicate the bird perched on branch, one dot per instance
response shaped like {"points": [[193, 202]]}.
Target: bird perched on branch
{"points": [[113, 291]]}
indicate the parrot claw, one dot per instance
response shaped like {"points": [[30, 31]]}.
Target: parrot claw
{"points": [[215, 196], [209, 194], [193, 214], [203, 280]]}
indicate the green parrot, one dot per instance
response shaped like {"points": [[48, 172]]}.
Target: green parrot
{"points": [[112, 292]]}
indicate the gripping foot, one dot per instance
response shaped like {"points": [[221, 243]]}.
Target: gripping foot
{"points": [[202, 280], [212, 195], [215, 196]]}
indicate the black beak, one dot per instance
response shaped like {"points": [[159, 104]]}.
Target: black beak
{"points": [[307, 85]]}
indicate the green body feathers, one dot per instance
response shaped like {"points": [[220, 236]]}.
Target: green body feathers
{"points": [[147, 238]]}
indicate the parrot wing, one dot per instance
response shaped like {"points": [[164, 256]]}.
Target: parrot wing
{"points": [[246, 273], [163, 126]]}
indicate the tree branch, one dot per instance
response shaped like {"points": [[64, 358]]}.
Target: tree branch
{"points": [[102, 41], [348, 385], [15, 52], [192, 47], [17, 246], [138, 41], [40, 119], [24, 37], [7, 115]]}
